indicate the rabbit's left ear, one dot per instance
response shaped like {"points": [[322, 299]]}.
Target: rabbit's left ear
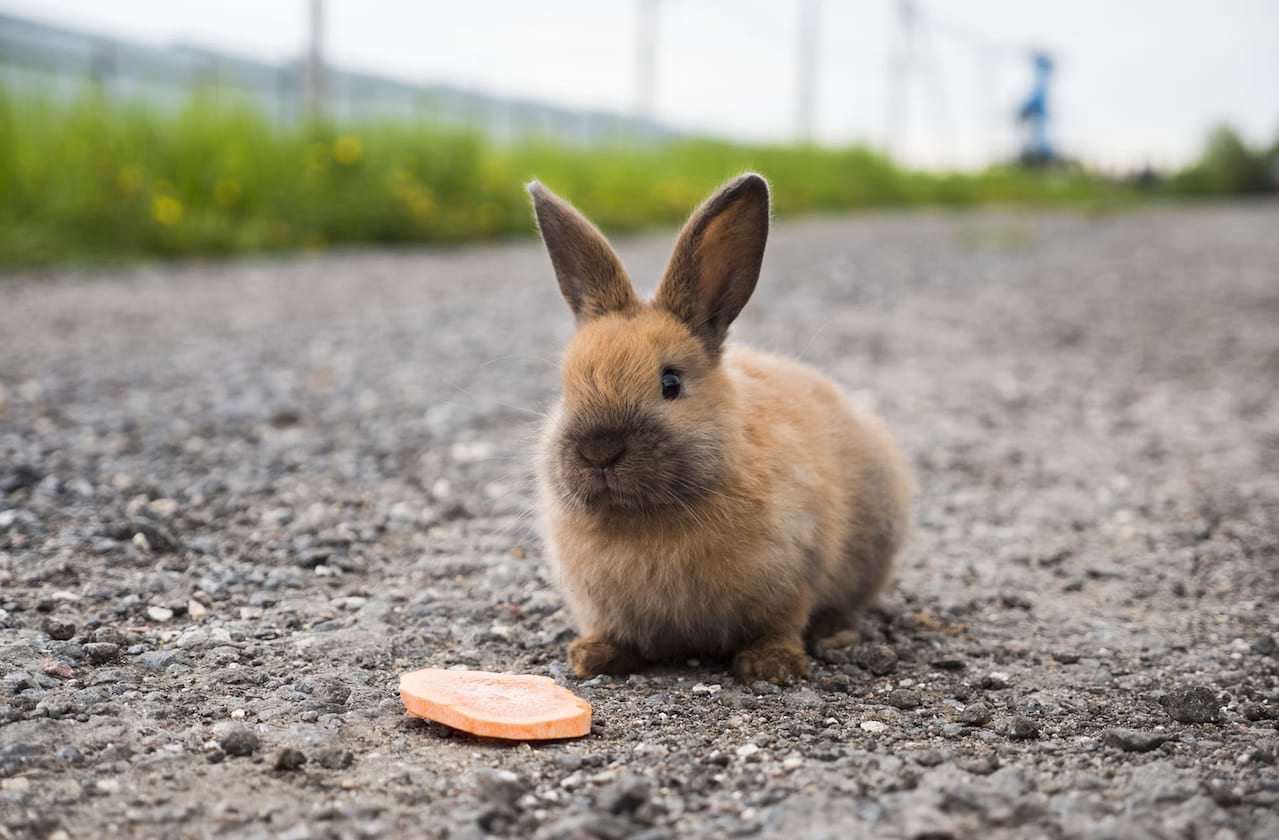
{"points": [[717, 258], [590, 275]]}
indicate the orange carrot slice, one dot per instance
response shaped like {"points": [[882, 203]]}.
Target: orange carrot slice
{"points": [[518, 707]]}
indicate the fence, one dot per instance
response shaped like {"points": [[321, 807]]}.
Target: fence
{"points": [[61, 62]]}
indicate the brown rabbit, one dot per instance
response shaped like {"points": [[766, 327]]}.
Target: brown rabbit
{"points": [[697, 499]]}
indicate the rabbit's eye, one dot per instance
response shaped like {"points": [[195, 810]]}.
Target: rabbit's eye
{"points": [[671, 385]]}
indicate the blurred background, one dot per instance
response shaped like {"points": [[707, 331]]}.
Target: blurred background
{"points": [[152, 128]]}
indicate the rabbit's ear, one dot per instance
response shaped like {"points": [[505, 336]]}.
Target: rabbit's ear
{"points": [[717, 258], [590, 275]]}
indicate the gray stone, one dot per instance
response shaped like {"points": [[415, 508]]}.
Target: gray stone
{"points": [[289, 758], [160, 660], [500, 786], [334, 758], [929, 758], [568, 762], [1022, 728], [982, 765], [803, 698], [624, 796], [975, 714], [1257, 711], [1132, 740], [102, 652], [59, 629], [238, 740], [880, 660], [1194, 704]]}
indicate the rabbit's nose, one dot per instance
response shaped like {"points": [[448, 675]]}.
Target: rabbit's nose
{"points": [[602, 449]]}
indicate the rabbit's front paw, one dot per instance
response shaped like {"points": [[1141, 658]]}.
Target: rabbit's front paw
{"points": [[827, 646], [777, 662], [591, 655]]}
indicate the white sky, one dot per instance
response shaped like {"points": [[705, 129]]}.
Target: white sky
{"points": [[1139, 80]]}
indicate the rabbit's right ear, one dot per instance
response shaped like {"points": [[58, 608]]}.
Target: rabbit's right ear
{"points": [[590, 275], [717, 259]]}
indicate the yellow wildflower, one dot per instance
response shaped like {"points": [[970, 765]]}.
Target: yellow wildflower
{"points": [[348, 149], [166, 210]]}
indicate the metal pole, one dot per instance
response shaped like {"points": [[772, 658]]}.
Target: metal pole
{"points": [[806, 75], [990, 117], [315, 93], [646, 58], [900, 66]]}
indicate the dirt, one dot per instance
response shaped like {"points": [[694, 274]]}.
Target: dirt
{"points": [[237, 501]]}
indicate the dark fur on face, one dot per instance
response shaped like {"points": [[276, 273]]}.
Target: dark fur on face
{"points": [[659, 468]]}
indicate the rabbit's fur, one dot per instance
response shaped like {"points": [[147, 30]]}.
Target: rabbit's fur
{"points": [[754, 510]]}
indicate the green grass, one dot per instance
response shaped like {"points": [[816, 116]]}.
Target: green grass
{"points": [[93, 179]]}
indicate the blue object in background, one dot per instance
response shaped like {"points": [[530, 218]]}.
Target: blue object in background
{"points": [[1034, 112]]}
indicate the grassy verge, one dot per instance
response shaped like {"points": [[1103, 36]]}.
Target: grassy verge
{"points": [[92, 179]]}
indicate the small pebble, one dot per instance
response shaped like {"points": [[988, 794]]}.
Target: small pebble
{"points": [[238, 740], [981, 765], [1256, 711], [100, 653], [289, 759], [334, 758], [1223, 794], [1023, 729], [58, 629], [835, 683], [1193, 704], [994, 681], [16, 785], [61, 670], [804, 698], [568, 762], [929, 758], [499, 786], [625, 796], [1132, 740], [880, 660]]}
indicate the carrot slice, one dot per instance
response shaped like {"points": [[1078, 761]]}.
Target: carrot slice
{"points": [[518, 707]]}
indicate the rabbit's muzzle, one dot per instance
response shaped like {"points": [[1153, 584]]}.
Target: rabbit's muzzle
{"points": [[632, 461], [603, 449]]}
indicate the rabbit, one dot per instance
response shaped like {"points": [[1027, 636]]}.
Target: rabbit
{"points": [[697, 498]]}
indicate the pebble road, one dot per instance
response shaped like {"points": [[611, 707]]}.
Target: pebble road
{"points": [[238, 499]]}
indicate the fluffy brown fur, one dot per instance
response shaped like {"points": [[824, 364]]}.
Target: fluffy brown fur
{"points": [[754, 510]]}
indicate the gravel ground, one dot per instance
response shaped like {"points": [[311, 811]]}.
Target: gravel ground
{"points": [[236, 501]]}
